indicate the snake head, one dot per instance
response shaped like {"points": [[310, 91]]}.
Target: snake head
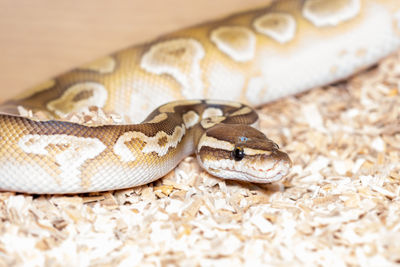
{"points": [[240, 152]]}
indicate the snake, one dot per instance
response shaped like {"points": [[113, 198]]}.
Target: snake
{"points": [[192, 91]]}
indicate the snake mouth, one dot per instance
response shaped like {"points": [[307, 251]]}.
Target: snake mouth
{"points": [[238, 175], [274, 173]]}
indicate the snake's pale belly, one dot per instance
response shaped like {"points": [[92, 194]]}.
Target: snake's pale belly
{"points": [[253, 57]]}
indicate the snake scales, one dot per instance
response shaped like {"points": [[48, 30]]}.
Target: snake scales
{"points": [[253, 57]]}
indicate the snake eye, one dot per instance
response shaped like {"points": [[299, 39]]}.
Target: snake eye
{"points": [[238, 153]]}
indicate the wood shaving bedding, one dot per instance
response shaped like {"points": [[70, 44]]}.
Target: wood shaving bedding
{"points": [[339, 206], [90, 116]]}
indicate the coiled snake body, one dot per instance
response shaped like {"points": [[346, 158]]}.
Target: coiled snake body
{"points": [[253, 57]]}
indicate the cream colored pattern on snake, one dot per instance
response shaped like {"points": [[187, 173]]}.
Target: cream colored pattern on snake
{"points": [[190, 119], [215, 143], [79, 96], [236, 42], [179, 58], [253, 57], [279, 26], [159, 118], [330, 13], [151, 144], [70, 154], [241, 111], [212, 112], [211, 121]]}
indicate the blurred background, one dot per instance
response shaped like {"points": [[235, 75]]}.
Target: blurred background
{"points": [[42, 38]]}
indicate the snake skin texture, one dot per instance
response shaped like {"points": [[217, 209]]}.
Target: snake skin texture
{"points": [[252, 57]]}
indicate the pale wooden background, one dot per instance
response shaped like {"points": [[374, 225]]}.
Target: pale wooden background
{"points": [[42, 38]]}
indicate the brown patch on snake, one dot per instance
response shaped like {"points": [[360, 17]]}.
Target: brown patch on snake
{"points": [[219, 132], [162, 141], [137, 143], [83, 95], [214, 153], [53, 149]]}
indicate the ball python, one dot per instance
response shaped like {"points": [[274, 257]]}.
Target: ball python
{"points": [[253, 57]]}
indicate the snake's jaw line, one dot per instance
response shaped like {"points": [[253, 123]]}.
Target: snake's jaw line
{"points": [[276, 168]]}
